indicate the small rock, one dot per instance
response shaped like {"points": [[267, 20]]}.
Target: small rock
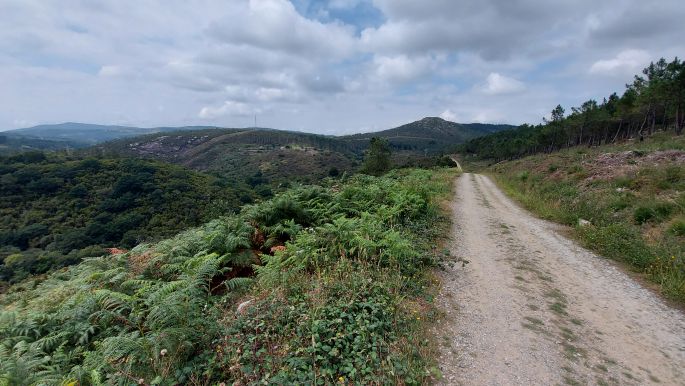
{"points": [[583, 222], [242, 307]]}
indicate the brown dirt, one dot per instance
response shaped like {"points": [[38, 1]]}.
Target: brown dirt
{"points": [[610, 165], [533, 308]]}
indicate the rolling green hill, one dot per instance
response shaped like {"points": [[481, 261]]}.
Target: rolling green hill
{"points": [[428, 135], [251, 155], [57, 136], [285, 156], [13, 144]]}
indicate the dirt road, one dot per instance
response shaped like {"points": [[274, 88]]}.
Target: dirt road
{"points": [[533, 308]]}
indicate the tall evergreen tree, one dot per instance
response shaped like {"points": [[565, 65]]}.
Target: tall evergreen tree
{"points": [[377, 159]]}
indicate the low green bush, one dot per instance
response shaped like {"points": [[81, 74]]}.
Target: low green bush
{"points": [[677, 227], [643, 214], [657, 212]]}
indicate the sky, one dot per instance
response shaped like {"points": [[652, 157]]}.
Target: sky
{"points": [[323, 66]]}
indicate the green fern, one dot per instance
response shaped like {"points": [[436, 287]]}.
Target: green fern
{"points": [[238, 283]]}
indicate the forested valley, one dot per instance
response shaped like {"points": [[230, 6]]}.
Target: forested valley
{"points": [[57, 209]]}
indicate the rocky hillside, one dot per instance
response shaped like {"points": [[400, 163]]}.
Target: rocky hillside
{"points": [[252, 154]]}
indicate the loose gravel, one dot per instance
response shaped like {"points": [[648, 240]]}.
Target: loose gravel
{"points": [[525, 305]]}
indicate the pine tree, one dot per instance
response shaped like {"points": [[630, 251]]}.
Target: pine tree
{"points": [[377, 159]]}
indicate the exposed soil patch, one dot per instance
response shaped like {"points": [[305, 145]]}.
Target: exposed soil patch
{"points": [[609, 165]]}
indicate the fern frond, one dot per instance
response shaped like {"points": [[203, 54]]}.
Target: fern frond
{"points": [[238, 283]]}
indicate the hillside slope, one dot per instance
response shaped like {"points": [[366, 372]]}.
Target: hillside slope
{"points": [[625, 201], [430, 134], [286, 156], [244, 154], [13, 144], [56, 210]]}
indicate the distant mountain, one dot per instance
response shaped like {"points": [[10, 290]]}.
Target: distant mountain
{"points": [[85, 134], [431, 134], [251, 153], [10, 144], [286, 156]]}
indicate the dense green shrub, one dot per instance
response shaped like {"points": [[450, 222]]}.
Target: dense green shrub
{"points": [[643, 214], [297, 341]]}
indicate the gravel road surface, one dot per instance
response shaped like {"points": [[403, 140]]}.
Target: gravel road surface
{"points": [[530, 307]]}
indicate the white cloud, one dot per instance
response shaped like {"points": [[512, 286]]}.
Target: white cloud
{"points": [[275, 25], [486, 116], [230, 108], [448, 115], [267, 94], [115, 70], [497, 84], [109, 71], [402, 68], [494, 29], [625, 63]]}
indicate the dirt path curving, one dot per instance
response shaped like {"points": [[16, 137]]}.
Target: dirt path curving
{"points": [[533, 308]]}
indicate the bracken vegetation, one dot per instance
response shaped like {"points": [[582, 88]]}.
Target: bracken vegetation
{"points": [[57, 209], [332, 284], [633, 195], [652, 102]]}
